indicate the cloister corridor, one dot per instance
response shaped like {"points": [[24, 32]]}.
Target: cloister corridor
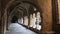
{"points": [[29, 16], [16, 25], [18, 29]]}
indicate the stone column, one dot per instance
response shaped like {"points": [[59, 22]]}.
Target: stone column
{"points": [[59, 10], [5, 21], [31, 21], [34, 20], [26, 20], [0, 18], [46, 7]]}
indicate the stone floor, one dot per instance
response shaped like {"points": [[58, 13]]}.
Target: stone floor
{"points": [[15, 28]]}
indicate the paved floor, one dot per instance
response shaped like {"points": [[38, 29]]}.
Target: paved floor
{"points": [[15, 28]]}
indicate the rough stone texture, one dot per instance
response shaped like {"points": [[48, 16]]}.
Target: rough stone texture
{"points": [[59, 9], [46, 6]]}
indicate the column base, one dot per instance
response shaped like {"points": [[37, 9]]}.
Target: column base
{"points": [[48, 32]]}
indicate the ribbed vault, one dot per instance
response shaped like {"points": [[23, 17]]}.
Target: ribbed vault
{"points": [[20, 9]]}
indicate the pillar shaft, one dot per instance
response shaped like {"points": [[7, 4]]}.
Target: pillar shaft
{"points": [[26, 20], [59, 10], [31, 21], [46, 7]]}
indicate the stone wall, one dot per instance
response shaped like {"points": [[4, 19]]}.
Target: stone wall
{"points": [[46, 7]]}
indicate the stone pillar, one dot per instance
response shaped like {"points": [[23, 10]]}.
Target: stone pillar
{"points": [[59, 10], [31, 21], [0, 18], [5, 21], [34, 20], [46, 7], [26, 20]]}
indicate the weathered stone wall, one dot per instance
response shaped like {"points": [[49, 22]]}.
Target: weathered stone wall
{"points": [[46, 7]]}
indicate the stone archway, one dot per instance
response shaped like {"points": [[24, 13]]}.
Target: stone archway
{"points": [[11, 5]]}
